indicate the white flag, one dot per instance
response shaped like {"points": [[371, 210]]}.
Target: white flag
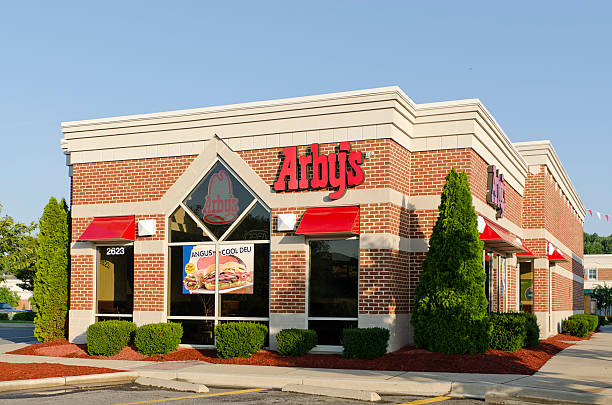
{"points": [[598, 214]]}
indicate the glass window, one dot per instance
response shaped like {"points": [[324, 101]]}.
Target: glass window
{"points": [[218, 200], [592, 274], [186, 304], [115, 279], [255, 304], [184, 229], [526, 277], [330, 332], [254, 226], [334, 280], [197, 332]]}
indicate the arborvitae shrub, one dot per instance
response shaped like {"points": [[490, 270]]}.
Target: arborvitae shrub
{"points": [[450, 310], [107, 338], [239, 339], [296, 342], [158, 338], [51, 279]]}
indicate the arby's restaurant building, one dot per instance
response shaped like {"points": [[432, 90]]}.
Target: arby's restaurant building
{"points": [[311, 212]]}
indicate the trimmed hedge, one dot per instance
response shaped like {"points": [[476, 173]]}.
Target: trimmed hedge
{"points": [[296, 342], [507, 332], [158, 338], [576, 327], [239, 339], [364, 343], [3, 317], [24, 316], [107, 338], [592, 320]]}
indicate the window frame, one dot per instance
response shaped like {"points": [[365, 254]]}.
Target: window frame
{"points": [[95, 280], [216, 242], [330, 348]]}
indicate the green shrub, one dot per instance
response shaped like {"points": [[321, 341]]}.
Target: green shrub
{"points": [[532, 338], [107, 338], [239, 339], [364, 343], [508, 332], [24, 316], [3, 317], [576, 327], [592, 320], [52, 266], [296, 342], [450, 310], [158, 338]]}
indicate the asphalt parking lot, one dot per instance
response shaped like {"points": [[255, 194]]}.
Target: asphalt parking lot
{"points": [[17, 333], [133, 394]]}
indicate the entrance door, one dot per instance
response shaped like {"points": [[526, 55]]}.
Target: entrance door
{"points": [[114, 282], [526, 287]]}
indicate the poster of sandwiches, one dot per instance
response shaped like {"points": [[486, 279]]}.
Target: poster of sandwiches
{"points": [[236, 272]]}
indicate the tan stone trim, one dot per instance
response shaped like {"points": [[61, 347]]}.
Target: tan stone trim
{"points": [[542, 153], [149, 246], [82, 249], [288, 243], [567, 274], [390, 241], [542, 233]]}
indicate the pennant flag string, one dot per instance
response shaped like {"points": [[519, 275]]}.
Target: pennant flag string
{"points": [[599, 215]]}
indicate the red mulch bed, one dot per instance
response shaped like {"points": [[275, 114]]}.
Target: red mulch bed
{"points": [[569, 338], [25, 371], [524, 361]]}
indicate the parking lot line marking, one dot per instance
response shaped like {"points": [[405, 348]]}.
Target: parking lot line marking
{"points": [[425, 401], [152, 401]]}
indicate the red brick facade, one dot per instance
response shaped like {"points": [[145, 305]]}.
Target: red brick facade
{"points": [[388, 277]]}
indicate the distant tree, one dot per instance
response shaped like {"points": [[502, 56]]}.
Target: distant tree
{"points": [[14, 241], [602, 295], [51, 279], [597, 245], [450, 313], [9, 297]]}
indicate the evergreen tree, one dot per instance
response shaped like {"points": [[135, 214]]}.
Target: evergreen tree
{"points": [[450, 310], [51, 279]]}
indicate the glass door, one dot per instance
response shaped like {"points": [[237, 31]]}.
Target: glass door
{"points": [[114, 282]]}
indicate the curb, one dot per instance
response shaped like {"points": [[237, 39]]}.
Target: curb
{"points": [[18, 385], [360, 395]]}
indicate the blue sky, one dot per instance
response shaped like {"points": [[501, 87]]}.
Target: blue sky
{"points": [[543, 69]]}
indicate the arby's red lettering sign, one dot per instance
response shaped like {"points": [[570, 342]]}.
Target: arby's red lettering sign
{"points": [[340, 170], [496, 191]]}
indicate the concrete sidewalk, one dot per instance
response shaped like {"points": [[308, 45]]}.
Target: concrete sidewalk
{"points": [[580, 373]]}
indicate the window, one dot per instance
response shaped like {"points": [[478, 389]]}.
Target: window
{"points": [[526, 288], [219, 225], [333, 288], [115, 281], [592, 274]]}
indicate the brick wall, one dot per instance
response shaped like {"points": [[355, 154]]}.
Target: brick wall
{"points": [[288, 282], [126, 180], [82, 282], [149, 274], [384, 281], [604, 274]]}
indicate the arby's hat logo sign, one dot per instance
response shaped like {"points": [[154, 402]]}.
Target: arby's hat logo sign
{"points": [[312, 171], [220, 205], [496, 191]]}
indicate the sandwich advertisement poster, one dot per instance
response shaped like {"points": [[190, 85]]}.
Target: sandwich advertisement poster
{"points": [[236, 270]]}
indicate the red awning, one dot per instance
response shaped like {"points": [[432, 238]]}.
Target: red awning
{"points": [[330, 220], [497, 238], [110, 228], [554, 255], [527, 254]]}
